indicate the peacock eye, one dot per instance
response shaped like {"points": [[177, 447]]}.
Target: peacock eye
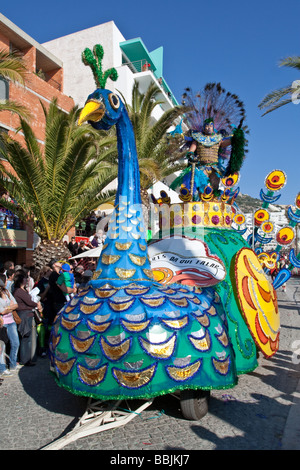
{"points": [[114, 100]]}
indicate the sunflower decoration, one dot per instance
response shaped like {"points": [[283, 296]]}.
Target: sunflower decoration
{"points": [[285, 236], [267, 227], [231, 180], [239, 219], [275, 180], [261, 216], [258, 301], [268, 260]]}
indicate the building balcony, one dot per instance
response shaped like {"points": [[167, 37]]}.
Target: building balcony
{"points": [[147, 68]]}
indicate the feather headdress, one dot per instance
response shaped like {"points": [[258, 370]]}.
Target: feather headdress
{"points": [[213, 103], [226, 111]]}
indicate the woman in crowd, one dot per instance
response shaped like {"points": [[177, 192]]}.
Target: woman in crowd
{"points": [[27, 327], [7, 305]]}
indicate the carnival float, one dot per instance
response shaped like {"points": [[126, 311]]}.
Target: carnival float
{"points": [[187, 312]]}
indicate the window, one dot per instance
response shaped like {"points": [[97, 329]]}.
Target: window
{"points": [[4, 89]]}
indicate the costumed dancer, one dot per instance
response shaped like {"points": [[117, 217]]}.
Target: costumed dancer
{"points": [[213, 117]]}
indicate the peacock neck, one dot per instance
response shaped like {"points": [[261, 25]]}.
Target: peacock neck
{"points": [[124, 257], [128, 168]]}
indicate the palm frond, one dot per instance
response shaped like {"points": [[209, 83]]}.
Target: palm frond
{"points": [[276, 99], [61, 184], [291, 61], [275, 96], [16, 108], [12, 67]]}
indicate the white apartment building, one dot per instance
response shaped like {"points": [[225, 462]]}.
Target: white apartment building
{"points": [[131, 59]]}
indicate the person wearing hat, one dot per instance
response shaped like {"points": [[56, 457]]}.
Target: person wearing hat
{"points": [[66, 280]]}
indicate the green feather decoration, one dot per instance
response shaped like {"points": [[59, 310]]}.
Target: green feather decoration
{"points": [[237, 152], [94, 60], [178, 181]]}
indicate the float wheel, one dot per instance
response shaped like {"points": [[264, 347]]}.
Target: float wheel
{"points": [[194, 403]]}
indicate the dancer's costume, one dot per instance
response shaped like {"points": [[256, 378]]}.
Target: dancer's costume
{"points": [[209, 162]]}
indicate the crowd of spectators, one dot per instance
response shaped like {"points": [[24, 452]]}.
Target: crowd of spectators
{"points": [[29, 302]]}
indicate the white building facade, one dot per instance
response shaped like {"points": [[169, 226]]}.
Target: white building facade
{"points": [[131, 59]]}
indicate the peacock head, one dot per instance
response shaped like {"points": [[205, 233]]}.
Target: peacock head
{"points": [[102, 109]]}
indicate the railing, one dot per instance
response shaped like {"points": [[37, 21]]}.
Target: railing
{"points": [[44, 76], [144, 66], [138, 66]]}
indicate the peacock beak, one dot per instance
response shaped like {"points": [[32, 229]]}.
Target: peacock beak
{"points": [[92, 111]]}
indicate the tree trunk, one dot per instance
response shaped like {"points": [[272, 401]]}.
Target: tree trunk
{"points": [[48, 250], [146, 206]]}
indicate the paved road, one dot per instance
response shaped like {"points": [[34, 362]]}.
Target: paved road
{"points": [[261, 412]]}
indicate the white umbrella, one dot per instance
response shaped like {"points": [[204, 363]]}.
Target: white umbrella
{"points": [[93, 253]]}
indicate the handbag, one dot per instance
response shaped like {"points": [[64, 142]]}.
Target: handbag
{"points": [[16, 317], [37, 316]]}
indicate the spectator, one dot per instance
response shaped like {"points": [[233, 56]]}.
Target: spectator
{"points": [[94, 241], [73, 246], [43, 286], [86, 277], [56, 292], [78, 275], [3, 341], [66, 278], [55, 295], [7, 305], [82, 247], [27, 327], [30, 280], [7, 265], [10, 274]]}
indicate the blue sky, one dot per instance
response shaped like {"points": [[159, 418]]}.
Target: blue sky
{"points": [[236, 43]]}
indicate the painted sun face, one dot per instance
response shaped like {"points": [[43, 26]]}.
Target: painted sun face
{"points": [[163, 275], [260, 216], [268, 260], [297, 201], [285, 236], [184, 195], [275, 180], [207, 194], [267, 227], [239, 219], [231, 180]]}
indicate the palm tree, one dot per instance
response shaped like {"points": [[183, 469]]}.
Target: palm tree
{"points": [[158, 156], [13, 68], [284, 95], [54, 187]]}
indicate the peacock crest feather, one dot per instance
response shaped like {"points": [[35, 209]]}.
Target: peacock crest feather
{"points": [[94, 60]]}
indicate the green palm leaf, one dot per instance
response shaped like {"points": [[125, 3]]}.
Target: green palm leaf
{"points": [[285, 95], [56, 186]]}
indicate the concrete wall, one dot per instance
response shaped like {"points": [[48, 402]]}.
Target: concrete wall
{"points": [[78, 78]]}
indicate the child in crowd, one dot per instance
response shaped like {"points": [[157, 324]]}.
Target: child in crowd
{"points": [[66, 277]]}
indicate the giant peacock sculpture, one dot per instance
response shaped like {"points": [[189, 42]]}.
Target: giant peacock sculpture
{"points": [[126, 335]]}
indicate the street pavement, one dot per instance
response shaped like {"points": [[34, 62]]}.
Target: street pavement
{"points": [[261, 413]]}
